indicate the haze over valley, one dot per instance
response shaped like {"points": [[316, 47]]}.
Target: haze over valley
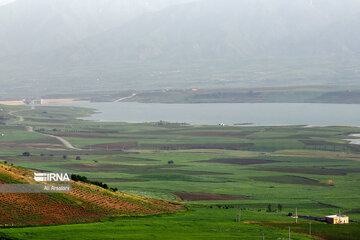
{"points": [[111, 45], [180, 119]]}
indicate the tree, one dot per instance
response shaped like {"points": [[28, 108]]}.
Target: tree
{"points": [[279, 207], [269, 208], [26, 154], [77, 178]]}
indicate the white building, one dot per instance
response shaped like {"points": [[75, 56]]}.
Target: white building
{"points": [[337, 219]]}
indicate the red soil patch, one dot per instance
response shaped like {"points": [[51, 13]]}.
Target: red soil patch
{"points": [[122, 204], [91, 205], [79, 134], [239, 161], [199, 133], [229, 146], [9, 144], [90, 165], [36, 208], [317, 143], [84, 204], [216, 134], [157, 132], [33, 159], [206, 196], [121, 145], [48, 120]]}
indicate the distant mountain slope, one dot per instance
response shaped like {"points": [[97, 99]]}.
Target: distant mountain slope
{"points": [[206, 43], [38, 25], [229, 29], [86, 203]]}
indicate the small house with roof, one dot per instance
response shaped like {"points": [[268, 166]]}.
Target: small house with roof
{"points": [[337, 219]]}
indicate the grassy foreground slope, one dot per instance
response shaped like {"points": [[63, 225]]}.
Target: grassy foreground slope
{"points": [[198, 223]]}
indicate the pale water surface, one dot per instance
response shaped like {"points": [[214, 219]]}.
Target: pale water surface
{"points": [[228, 113]]}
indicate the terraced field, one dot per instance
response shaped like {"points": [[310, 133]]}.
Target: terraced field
{"points": [[85, 203]]}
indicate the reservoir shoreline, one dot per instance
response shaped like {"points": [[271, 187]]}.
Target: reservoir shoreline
{"points": [[258, 114]]}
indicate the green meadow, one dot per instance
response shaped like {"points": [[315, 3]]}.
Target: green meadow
{"points": [[267, 172]]}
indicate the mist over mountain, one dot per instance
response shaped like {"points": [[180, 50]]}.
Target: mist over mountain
{"points": [[37, 25], [231, 28], [138, 44]]}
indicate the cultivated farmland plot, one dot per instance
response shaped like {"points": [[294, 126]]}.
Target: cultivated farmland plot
{"points": [[182, 180]]}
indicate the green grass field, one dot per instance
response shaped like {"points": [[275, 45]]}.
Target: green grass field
{"points": [[198, 223], [312, 169]]}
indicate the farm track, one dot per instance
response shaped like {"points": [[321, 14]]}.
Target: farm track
{"points": [[66, 143], [20, 118], [124, 98]]}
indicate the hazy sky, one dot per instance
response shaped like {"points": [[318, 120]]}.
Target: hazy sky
{"points": [[88, 45], [4, 2]]}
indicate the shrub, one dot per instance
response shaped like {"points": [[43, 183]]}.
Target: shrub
{"points": [[269, 208], [84, 179]]}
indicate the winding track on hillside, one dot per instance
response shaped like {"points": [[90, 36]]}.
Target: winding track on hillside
{"points": [[66, 143], [20, 118], [63, 141]]}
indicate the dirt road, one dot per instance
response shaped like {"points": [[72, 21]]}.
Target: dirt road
{"points": [[66, 143], [63, 141], [124, 98]]}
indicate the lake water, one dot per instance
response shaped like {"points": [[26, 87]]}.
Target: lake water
{"points": [[354, 141], [228, 113]]}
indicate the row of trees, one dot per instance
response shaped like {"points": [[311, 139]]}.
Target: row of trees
{"points": [[79, 178], [270, 209], [28, 154]]}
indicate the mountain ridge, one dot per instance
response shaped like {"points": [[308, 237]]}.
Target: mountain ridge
{"points": [[205, 43]]}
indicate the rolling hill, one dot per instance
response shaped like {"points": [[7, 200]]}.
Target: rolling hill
{"points": [[86, 203]]}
